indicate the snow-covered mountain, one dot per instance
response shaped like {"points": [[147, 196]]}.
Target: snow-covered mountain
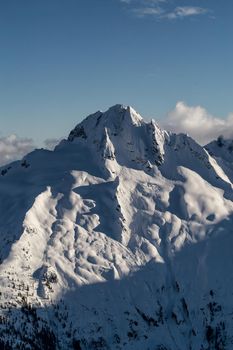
{"points": [[222, 151], [120, 238]]}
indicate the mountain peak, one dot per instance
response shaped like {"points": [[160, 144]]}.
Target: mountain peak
{"points": [[129, 112], [115, 118], [121, 133], [120, 136]]}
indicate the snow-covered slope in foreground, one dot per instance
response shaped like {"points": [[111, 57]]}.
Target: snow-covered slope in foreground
{"points": [[121, 238]]}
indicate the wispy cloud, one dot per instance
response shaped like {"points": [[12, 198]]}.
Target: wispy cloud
{"points": [[162, 9], [148, 11], [186, 11], [198, 123]]}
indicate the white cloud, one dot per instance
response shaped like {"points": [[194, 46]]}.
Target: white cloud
{"points": [[186, 11], [52, 143], [161, 9], [13, 147], [198, 123], [147, 11]]}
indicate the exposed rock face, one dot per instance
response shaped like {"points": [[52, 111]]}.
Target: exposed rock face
{"points": [[120, 238]]}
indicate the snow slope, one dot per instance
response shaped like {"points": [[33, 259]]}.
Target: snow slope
{"points": [[120, 238]]}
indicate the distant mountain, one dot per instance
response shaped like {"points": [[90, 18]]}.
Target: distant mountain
{"points": [[120, 238], [222, 150]]}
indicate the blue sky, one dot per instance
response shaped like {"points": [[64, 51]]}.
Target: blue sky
{"points": [[63, 59]]}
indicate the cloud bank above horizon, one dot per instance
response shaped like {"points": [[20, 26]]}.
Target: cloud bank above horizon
{"points": [[195, 121]]}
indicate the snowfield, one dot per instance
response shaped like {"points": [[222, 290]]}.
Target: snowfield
{"points": [[120, 238]]}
